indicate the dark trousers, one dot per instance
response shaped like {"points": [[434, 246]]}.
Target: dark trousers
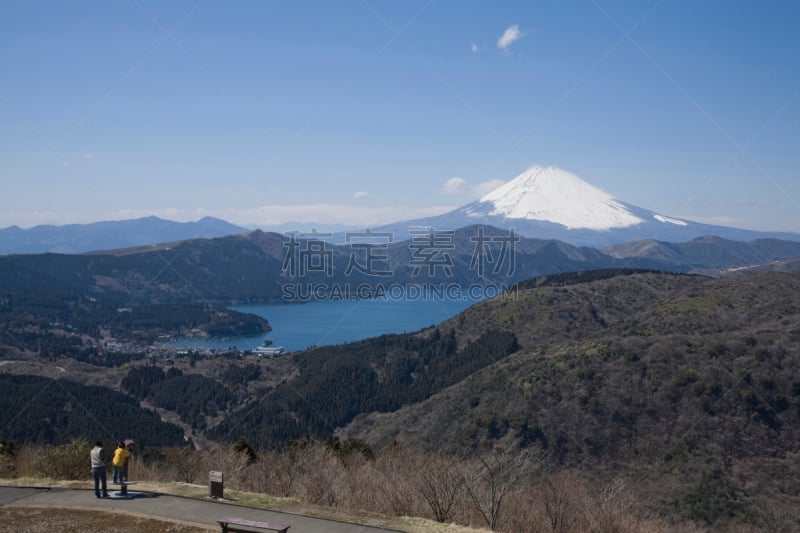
{"points": [[99, 475]]}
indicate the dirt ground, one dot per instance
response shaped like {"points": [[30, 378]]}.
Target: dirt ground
{"points": [[47, 520]]}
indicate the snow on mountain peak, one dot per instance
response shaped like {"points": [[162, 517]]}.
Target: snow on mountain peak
{"points": [[555, 195]]}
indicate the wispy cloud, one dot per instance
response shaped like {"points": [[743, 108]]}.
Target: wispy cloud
{"points": [[474, 47], [454, 186], [360, 195], [509, 37], [460, 187]]}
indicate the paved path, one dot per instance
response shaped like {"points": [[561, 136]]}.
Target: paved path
{"points": [[163, 505]]}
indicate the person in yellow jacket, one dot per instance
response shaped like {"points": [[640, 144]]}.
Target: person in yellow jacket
{"points": [[120, 456]]}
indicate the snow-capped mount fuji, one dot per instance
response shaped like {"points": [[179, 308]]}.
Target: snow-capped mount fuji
{"points": [[554, 195], [551, 203]]}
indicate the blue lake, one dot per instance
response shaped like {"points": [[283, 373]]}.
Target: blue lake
{"points": [[299, 326]]}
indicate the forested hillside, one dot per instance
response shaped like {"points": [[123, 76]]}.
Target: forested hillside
{"points": [[191, 396], [686, 380], [336, 383], [48, 411], [256, 267]]}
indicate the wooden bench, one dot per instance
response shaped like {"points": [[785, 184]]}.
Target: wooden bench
{"points": [[226, 523]]}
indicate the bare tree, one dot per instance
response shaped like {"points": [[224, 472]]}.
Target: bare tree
{"points": [[234, 464], [321, 479], [186, 462], [288, 466], [614, 504], [440, 482], [495, 475], [394, 468], [557, 495]]}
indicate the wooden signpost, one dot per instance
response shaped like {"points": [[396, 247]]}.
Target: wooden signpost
{"points": [[215, 484]]}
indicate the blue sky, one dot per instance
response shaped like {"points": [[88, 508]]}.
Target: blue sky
{"points": [[361, 112]]}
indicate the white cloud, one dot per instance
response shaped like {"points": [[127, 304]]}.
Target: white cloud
{"points": [[474, 48], [360, 195], [511, 35], [460, 187], [455, 186]]}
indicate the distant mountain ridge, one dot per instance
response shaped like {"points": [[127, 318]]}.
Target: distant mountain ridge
{"points": [[107, 235], [707, 252], [545, 203], [258, 267], [551, 203]]}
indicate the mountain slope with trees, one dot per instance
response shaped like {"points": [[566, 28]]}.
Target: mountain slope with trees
{"points": [[334, 384], [687, 385], [43, 410], [257, 267]]}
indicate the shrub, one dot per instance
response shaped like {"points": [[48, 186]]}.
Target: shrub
{"points": [[68, 461]]}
